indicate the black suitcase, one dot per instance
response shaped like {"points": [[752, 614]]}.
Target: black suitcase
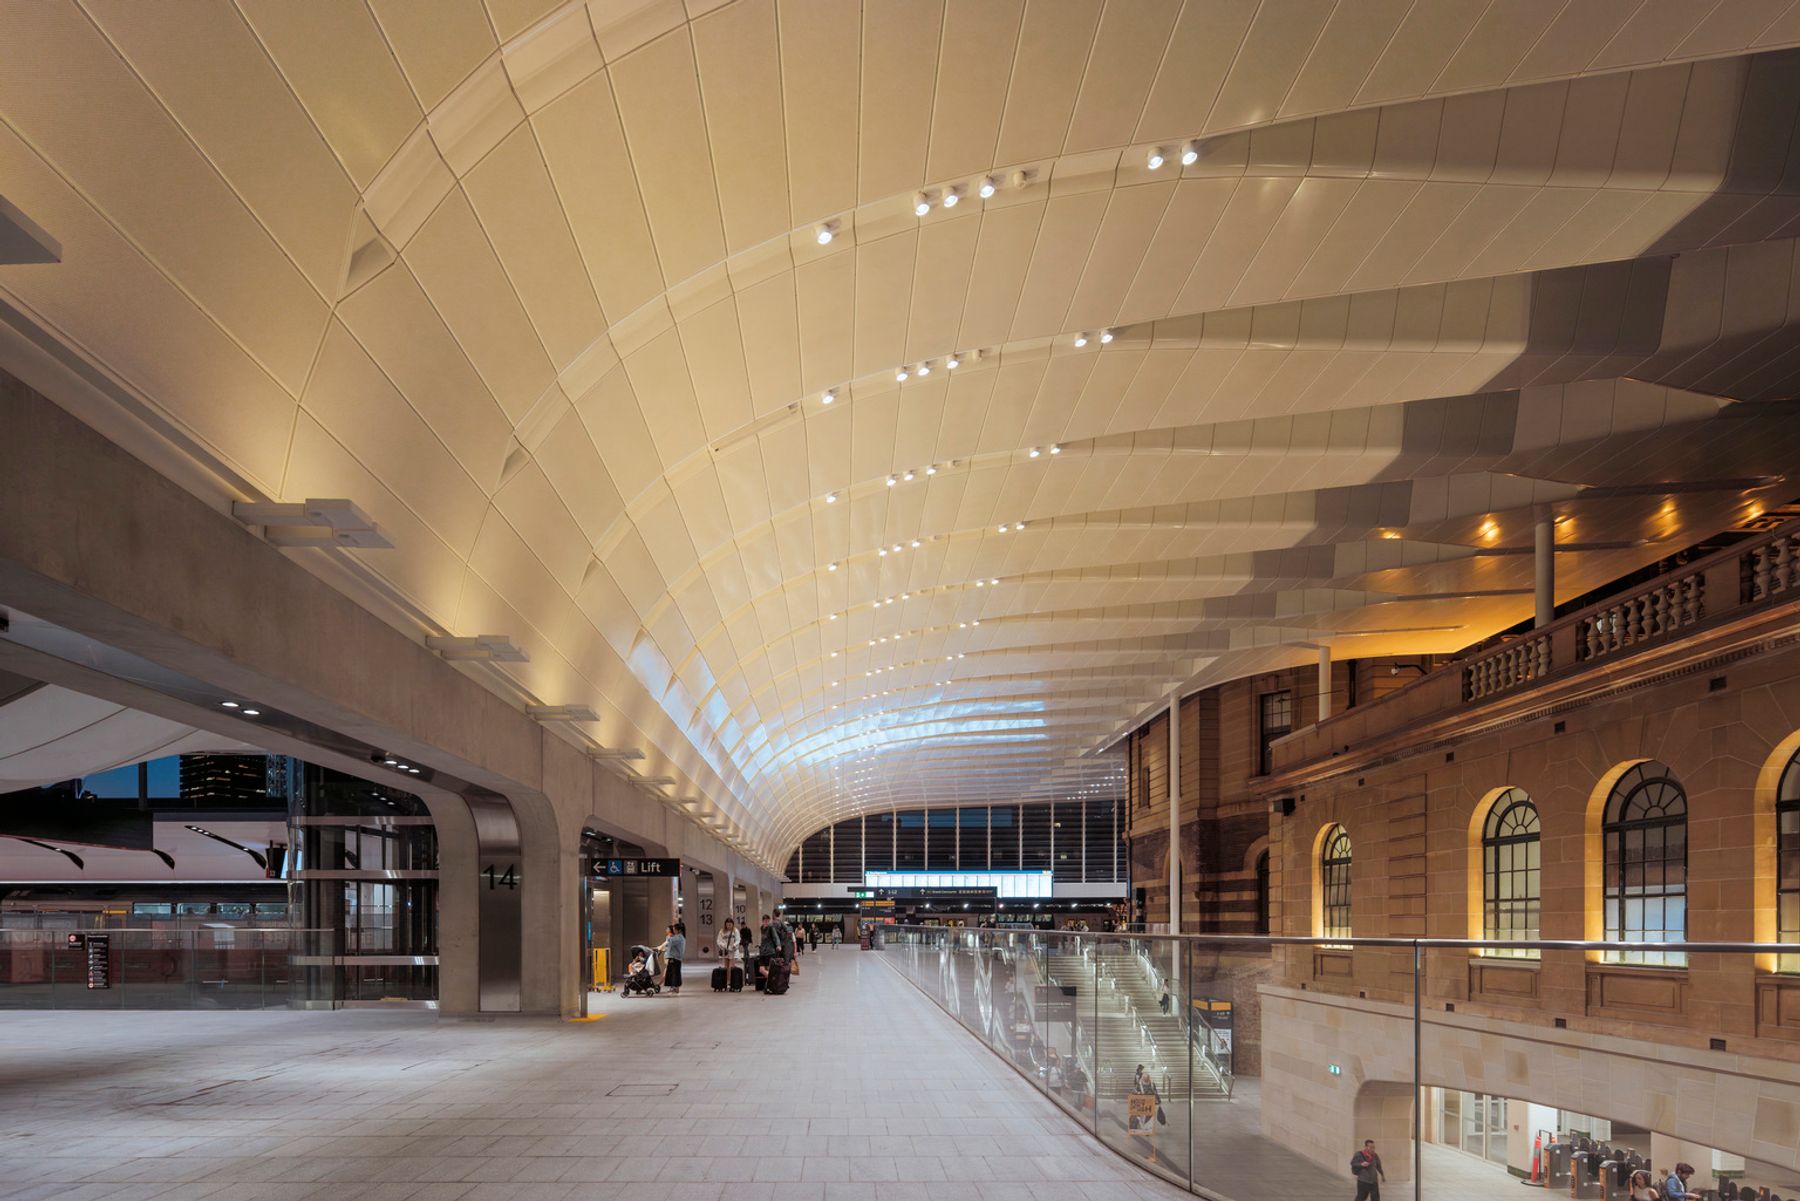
{"points": [[718, 979], [778, 977], [737, 979]]}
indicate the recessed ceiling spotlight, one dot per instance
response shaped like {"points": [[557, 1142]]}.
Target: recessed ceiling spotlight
{"points": [[951, 196], [995, 582], [892, 480], [931, 471], [251, 712], [228, 704], [1190, 154], [1035, 452], [987, 186], [915, 543], [978, 622], [834, 654], [831, 498], [827, 231], [907, 477], [924, 369], [413, 770], [1106, 335], [952, 363], [1154, 160], [979, 584], [1056, 450], [833, 567], [1018, 525], [834, 617], [900, 376], [1080, 341], [1003, 527], [391, 762], [922, 204], [830, 395], [962, 625], [882, 552]]}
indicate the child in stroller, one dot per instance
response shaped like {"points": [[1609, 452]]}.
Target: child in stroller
{"points": [[640, 976]]}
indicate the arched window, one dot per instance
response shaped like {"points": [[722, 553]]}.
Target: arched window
{"points": [[1787, 861], [1510, 894], [1646, 864], [1334, 884]]}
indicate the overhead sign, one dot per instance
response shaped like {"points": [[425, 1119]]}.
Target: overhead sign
{"points": [[941, 896], [614, 868]]}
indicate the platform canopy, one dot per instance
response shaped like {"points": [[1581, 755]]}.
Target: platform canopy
{"points": [[884, 403]]}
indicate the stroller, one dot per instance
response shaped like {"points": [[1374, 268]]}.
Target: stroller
{"points": [[642, 983]]}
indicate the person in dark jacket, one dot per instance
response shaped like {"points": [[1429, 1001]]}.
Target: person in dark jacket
{"points": [[1365, 1165]]}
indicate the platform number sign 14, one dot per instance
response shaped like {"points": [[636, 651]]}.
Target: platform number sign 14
{"points": [[498, 877]]}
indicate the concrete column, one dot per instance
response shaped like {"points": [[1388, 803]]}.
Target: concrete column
{"points": [[1545, 559], [1175, 812], [1324, 682]]}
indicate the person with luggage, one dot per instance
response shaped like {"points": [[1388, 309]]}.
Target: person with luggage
{"points": [[673, 949], [1365, 1165], [729, 975]]}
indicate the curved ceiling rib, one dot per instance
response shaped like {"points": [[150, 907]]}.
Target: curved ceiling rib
{"points": [[602, 311]]}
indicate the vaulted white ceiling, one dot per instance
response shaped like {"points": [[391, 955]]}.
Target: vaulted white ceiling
{"points": [[543, 287]]}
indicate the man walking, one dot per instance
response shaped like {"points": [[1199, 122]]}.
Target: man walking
{"points": [[1365, 1165]]}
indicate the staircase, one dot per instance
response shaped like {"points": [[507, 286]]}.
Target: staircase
{"points": [[1166, 1050]]}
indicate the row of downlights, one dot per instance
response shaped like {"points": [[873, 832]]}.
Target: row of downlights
{"points": [[952, 195]]}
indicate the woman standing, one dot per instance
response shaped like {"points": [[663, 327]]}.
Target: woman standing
{"points": [[731, 954], [674, 949]]}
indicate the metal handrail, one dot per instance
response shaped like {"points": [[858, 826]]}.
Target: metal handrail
{"points": [[1429, 944]]}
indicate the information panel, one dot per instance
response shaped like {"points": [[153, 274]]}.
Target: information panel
{"points": [[99, 957]]}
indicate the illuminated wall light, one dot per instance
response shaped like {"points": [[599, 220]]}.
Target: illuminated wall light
{"points": [[922, 204], [908, 477], [1056, 450], [915, 543], [882, 552], [831, 498], [1018, 525], [827, 231], [962, 625], [952, 363], [987, 187], [1080, 340], [995, 582], [900, 376], [1154, 160], [978, 622], [1190, 154], [834, 617], [1106, 335], [924, 370], [931, 471], [951, 196], [1035, 452], [896, 548], [830, 395], [833, 567], [978, 583], [892, 480]]}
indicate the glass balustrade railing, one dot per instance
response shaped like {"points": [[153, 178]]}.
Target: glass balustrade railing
{"points": [[236, 968], [1247, 1068]]}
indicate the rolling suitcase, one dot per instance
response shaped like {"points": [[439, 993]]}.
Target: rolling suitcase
{"points": [[736, 983], [718, 979], [778, 977]]}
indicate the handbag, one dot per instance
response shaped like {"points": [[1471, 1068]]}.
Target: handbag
{"points": [[1162, 1119]]}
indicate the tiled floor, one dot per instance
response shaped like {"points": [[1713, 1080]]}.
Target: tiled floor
{"points": [[853, 1087]]}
